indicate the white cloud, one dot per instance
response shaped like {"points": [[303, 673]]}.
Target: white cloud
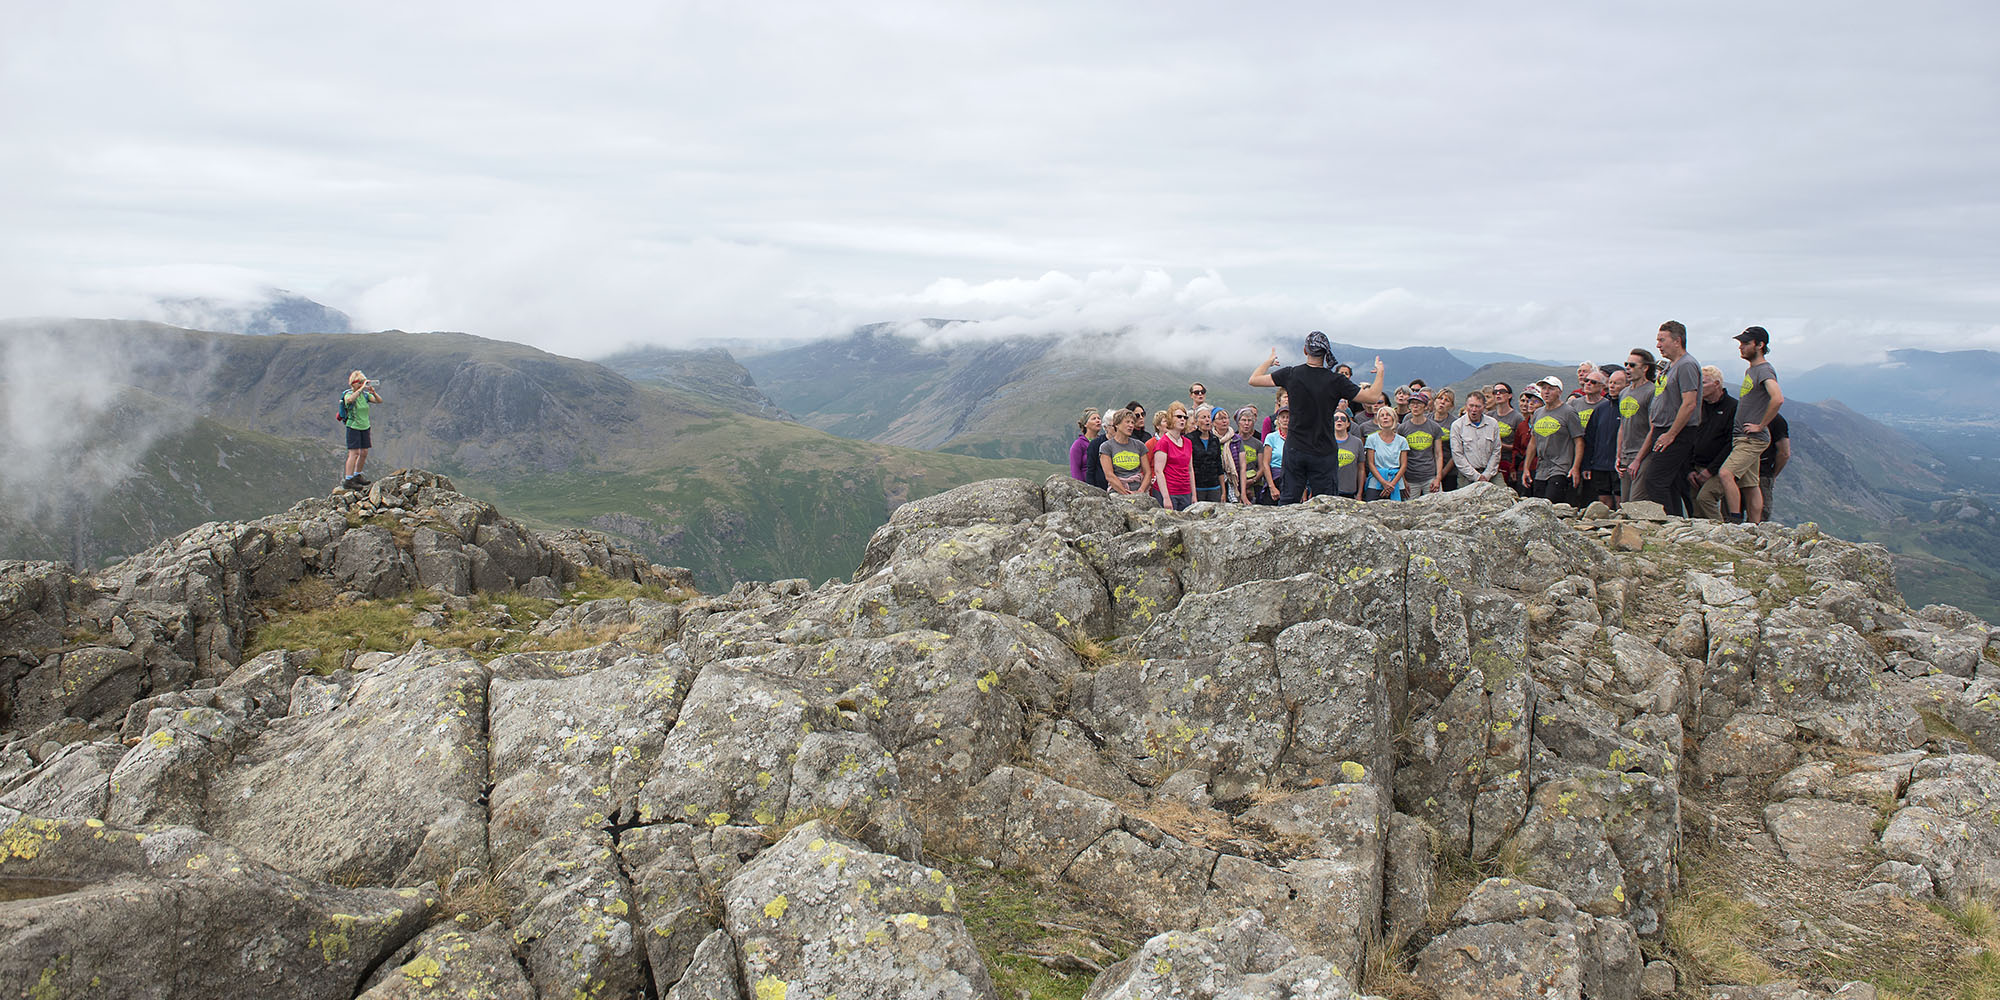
{"points": [[580, 177]]}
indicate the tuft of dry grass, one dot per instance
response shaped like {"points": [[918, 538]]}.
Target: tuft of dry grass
{"points": [[1385, 973], [475, 904]]}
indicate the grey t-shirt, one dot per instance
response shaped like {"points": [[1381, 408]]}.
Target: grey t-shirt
{"points": [[1634, 401], [1753, 404], [1682, 376], [1556, 430], [1128, 460], [1350, 452], [1423, 438]]}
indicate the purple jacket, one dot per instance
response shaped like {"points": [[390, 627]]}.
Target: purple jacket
{"points": [[1077, 450]]}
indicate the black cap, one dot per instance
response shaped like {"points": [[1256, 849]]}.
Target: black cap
{"points": [[1754, 334]]}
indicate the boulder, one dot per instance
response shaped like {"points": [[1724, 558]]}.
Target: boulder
{"points": [[100, 910], [819, 914], [409, 741], [1237, 959], [453, 961]]}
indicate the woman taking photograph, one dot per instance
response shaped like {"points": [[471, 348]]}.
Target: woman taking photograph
{"points": [[354, 407]]}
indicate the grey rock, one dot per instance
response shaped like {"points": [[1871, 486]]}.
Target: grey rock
{"points": [[1239, 959], [93, 682], [569, 750], [449, 960], [819, 914], [1409, 876], [1946, 825], [572, 915], [368, 562], [409, 740], [440, 561], [1023, 820], [1749, 745], [711, 973], [1821, 834], [75, 783], [172, 912]]}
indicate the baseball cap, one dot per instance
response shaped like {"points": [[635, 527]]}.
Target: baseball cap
{"points": [[1550, 380], [1317, 345], [1420, 396], [1281, 410], [1754, 334]]}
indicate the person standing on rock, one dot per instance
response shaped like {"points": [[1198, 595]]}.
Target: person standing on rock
{"points": [[1599, 414], [1664, 460], [1711, 445], [1754, 409], [1123, 456], [1312, 461], [1475, 442], [1634, 400], [1774, 461], [1079, 449], [355, 402], [1421, 434], [1558, 446]]}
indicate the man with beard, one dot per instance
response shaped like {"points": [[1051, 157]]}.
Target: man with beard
{"points": [[1664, 460]]}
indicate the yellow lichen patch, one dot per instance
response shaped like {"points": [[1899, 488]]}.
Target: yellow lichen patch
{"points": [[617, 908], [1352, 771], [988, 682], [332, 941], [917, 920], [718, 818], [161, 738], [771, 988], [27, 836], [775, 909], [423, 971]]}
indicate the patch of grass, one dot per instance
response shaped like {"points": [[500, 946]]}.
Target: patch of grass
{"points": [[593, 585], [1092, 652], [1711, 936], [475, 904], [1385, 973], [1975, 920], [1939, 727], [1040, 941], [313, 615], [1457, 875]]}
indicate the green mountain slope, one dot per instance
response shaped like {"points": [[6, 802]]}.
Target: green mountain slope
{"points": [[204, 471], [563, 442]]}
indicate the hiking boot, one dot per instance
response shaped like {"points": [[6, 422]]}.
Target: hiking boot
{"points": [[359, 481]]}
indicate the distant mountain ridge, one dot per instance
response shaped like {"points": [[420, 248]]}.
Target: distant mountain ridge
{"points": [[275, 311], [688, 481]]}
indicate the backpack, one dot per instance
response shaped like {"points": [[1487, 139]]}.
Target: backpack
{"points": [[346, 409]]}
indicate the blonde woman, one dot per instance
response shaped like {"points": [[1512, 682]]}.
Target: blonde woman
{"points": [[1173, 459], [1123, 456], [354, 409]]}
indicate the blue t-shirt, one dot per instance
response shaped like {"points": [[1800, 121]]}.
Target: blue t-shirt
{"points": [[1387, 455], [1276, 442]]}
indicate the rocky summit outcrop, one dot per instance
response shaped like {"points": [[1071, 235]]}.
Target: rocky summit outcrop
{"points": [[1462, 746]]}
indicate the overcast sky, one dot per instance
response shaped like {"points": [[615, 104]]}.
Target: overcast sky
{"points": [[1551, 181]]}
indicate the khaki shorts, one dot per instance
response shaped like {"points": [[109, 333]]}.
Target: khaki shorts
{"points": [[1744, 454]]}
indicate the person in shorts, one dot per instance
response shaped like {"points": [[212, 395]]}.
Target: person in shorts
{"points": [[1758, 403], [359, 396]]}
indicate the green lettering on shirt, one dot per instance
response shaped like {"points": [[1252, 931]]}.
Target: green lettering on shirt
{"points": [[1628, 407], [1346, 457], [1545, 426], [1748, 384], [1584, 418], [1420, 440]]}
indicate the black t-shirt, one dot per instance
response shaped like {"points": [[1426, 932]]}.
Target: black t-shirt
{"points": [[1312, 393], [1780, 431]]}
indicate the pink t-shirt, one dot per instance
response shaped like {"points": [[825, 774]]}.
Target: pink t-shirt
{"points": [[1179, 481]]}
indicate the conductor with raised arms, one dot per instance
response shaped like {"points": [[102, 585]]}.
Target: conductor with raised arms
{"points": [[1312, 459]]}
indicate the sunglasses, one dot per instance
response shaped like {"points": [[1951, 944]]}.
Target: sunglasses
{"points": [[1197, 392]]}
